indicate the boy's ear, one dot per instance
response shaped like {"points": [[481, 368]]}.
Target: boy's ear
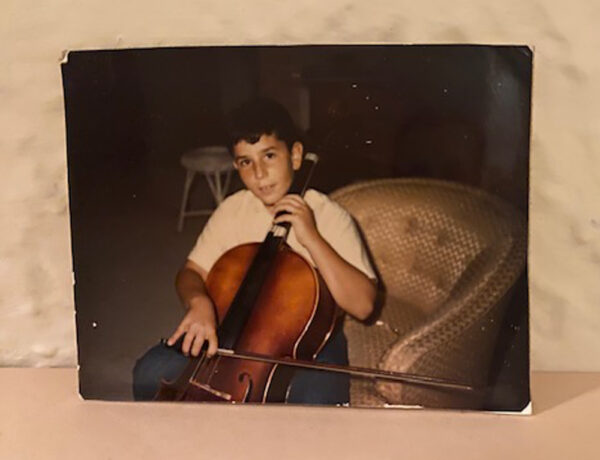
{"points": [[297, 153]]}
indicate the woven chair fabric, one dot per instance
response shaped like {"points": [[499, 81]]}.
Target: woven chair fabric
{"points": [[447, 254]]}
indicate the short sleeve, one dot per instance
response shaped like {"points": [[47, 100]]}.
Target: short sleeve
{"points": [[212, 241], [340, 231]]}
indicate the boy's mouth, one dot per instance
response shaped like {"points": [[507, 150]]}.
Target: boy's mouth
{"points": [[266, 188]]}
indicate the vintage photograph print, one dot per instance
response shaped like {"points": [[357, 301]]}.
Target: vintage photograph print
{"points": [[320, 225]]}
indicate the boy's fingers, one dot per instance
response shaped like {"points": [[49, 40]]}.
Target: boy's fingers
{"points": [[280, 205], [213, 343], [285, 218], [187, 343], [295, 200], [294, 197], [197, 346], [178, 332], [289, 207]]}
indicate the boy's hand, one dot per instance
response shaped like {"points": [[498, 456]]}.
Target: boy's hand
{"points": [[199, 324], [301, 217]]}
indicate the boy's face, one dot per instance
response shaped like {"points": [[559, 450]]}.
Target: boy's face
{"points": [[267, 166]]}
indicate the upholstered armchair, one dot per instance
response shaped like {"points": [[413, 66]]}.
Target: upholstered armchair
{"points": [[447, 256]]}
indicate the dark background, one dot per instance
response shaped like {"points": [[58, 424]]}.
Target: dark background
{"points": [[459, 113]]}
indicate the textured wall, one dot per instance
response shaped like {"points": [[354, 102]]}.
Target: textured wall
{"points": [[36, 302]]}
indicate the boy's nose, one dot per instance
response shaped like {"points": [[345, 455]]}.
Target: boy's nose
{"points": [[259, 171]]}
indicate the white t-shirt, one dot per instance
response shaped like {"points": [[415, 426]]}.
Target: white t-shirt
{"points": [[243, 218]]}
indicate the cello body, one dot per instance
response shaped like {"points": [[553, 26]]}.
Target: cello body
{"points": [[292, 316]]}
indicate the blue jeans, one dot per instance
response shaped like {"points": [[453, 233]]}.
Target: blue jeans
{"points": [[307, 386]]}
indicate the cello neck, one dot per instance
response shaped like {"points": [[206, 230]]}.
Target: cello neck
{"points": [[299, 186], [304, 174]]}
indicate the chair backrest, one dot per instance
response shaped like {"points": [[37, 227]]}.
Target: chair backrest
{"points": [[449, 252]]}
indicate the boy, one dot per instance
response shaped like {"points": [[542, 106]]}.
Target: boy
{"points": [[267, 150]]}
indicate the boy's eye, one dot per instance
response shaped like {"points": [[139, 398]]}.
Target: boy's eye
{"points": [[270, 155], [243, 162]]}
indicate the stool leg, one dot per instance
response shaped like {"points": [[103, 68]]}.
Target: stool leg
{"points": [[189, 178], [219, 196], [226, 186], [212, 186]]}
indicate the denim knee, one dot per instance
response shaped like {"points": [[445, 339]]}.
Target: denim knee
{"points": [[158, 363]]}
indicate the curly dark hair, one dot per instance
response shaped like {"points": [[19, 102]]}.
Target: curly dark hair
{"points": [[259, 116]]}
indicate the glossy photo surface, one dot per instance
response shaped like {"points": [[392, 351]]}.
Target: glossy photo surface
{"points": [[425, 147]]}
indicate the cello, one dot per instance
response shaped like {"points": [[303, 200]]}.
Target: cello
{"points": [[275, 313]]}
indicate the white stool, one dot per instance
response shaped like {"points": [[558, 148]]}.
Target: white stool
{"points": [[212, 161]]}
